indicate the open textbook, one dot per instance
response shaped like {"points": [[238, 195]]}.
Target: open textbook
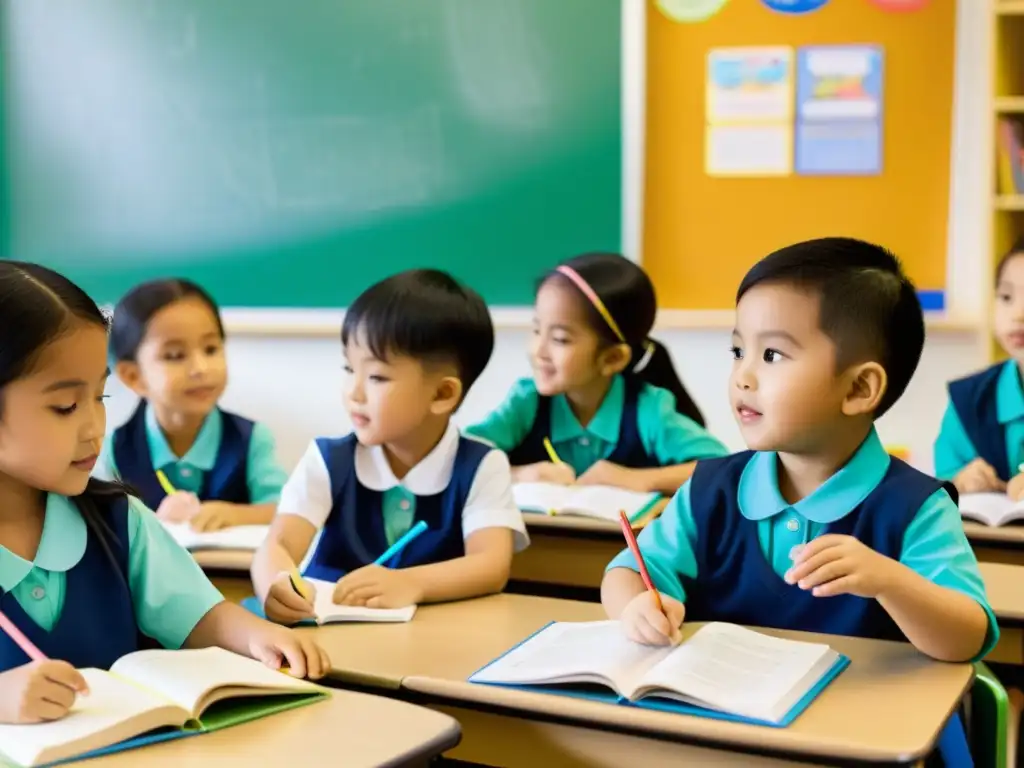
{"points": [[599, 501], [329, 612], [183, 692], [991, 508], [721, 670], [241, 537]]}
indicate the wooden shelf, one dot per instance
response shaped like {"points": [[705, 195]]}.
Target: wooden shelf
{"points": [[1008, 203], [1009, 8], [1008, 105]]}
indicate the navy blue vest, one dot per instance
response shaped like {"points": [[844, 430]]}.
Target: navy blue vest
{"points": [[354, 536], [736, 583], [628, 452], [974, 399], [227, 481], [97, 624]]}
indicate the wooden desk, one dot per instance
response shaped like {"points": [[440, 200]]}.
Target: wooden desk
{"points": [[1004, 585], [228, 570], [352, 729], [569, 554], [888, 707], [996, 544]]}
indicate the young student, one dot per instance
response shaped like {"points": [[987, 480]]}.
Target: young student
{"points": [[86, 572], [167, 342], [980, 446], [413, 344], [816, 528], [604, 394]]}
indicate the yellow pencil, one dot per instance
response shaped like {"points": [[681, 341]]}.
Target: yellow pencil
{"points": [[299, 585], [551, 451], [164, 482]]}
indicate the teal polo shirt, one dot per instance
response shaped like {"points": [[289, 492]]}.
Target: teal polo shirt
{"points": [[665, 433], [170, 593], [934, 544], [954, 450], [264, 476]]}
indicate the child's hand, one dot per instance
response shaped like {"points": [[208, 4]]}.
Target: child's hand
{"points": [[178, 507], [645, 624], [277, 647], [1015, 488], [835, 564], [284, 605], [215, 515], [560, 474], [42, 690], [607, 473], [377, 587], [978, 477]]}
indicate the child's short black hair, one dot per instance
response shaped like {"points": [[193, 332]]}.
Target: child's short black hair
{"points": [[427, 315], [1016, 250], [868, 306]]}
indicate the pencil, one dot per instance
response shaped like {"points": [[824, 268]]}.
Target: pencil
{"points": [[551, 452], [19, 638], [164, 482], [627, 531], [299, 585], [401, 544]]}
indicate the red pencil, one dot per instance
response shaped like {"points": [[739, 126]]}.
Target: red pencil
{"points": [[18, 637], [627, 531]]}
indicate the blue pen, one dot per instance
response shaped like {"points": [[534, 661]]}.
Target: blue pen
{"points": [[402, 543]]}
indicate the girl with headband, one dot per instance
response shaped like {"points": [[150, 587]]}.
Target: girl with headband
{"points": [[605, 405]]}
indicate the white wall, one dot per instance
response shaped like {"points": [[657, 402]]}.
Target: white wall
{"points": [[293, 383]]}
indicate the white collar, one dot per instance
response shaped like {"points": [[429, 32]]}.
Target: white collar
{"points": [[429, 477]]}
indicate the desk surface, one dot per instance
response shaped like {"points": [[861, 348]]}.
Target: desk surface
{"points": [[351, 728], [1003, 534], [225, 560], [888, 705], [1004, 585]]}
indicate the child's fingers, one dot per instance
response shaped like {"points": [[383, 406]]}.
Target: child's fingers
{"points": [[57, 693], [43, 710], [315, 669], [62, 673], [295, 657], [361, 594], [285, 594], [840, 586], [804, 568], [654, 632], [826, 573]]}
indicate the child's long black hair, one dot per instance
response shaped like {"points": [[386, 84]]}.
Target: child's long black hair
{"points": [[37, 306], [627, 293]]}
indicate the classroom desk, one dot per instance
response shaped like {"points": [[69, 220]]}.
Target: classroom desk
{"points": [[351, 729], [568, 554], [888, 707], [228, 570], [996, 544], [1004, 585]]}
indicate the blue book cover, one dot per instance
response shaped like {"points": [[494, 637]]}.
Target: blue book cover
{"points": [[653, 702]]}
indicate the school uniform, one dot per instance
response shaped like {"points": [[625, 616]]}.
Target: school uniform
{"points": [[723, 543], [232, 459], [984, 418], [349, 493], [88, 604], [635, 426]]}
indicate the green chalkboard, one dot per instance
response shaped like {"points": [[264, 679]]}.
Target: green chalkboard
{"points": [[287, 154]]}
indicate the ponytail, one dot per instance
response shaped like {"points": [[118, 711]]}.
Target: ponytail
{"points": [[653, 365]]}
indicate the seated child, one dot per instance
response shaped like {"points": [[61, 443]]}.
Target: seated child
{"points": [[603, 392], [981, 442], [413, 344], [816, 528], [86, 573], [167, 343]]}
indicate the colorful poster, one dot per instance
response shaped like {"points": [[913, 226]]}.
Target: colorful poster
{"points": [[690, 10], [794, 6], [749, 112], [839, 110], [900, 5]]}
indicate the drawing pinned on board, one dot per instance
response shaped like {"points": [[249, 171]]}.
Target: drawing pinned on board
{"points": [[839, 110], [690, 10], [749, 112], [794, 6], [900, 5]]}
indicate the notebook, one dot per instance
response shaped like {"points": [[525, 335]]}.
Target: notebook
{"points": [[598, 501], [329, 612], [182, 692], [241, 537], [722, 670], [991, 508]]}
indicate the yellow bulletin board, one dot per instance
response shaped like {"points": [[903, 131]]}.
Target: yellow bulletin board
{"points": [[702, 233]]}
